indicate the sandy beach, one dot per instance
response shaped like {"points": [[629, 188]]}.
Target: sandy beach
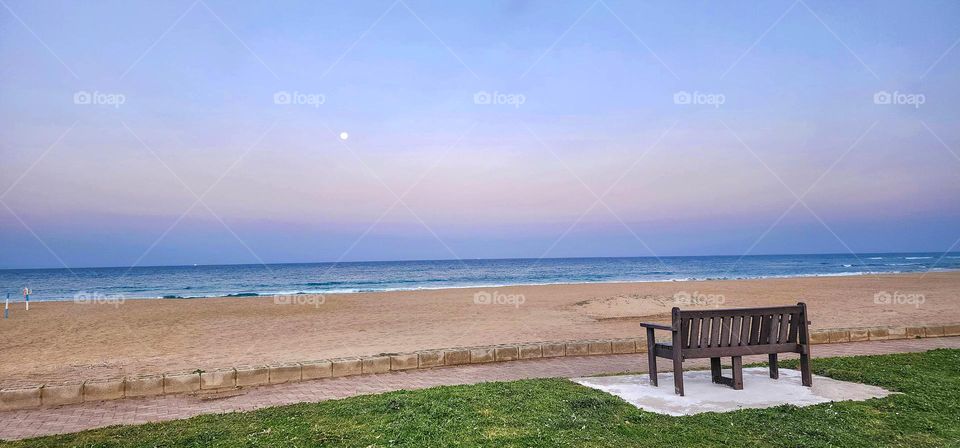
{"points": [[61, 340]]}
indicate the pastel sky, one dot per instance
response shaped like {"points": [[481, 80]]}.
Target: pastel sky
{"points": [[585, 146]]}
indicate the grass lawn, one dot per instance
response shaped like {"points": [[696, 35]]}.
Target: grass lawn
{"points": [[555, 412]]}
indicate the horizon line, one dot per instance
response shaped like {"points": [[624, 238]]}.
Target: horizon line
{"points": [[476, 259]]}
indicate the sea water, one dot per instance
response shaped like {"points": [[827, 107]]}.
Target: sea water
{"points": [[254, 279]]}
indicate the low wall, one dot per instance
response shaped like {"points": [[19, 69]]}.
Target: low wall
{"points": [[232, 378]]}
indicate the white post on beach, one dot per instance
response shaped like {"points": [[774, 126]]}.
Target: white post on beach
{"points": [[26, 297], [6, 307]]}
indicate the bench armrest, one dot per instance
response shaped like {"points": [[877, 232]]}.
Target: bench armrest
{"points": [[657, 326]]}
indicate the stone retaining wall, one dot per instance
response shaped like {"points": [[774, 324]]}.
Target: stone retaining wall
{"points": [[200, 382]]}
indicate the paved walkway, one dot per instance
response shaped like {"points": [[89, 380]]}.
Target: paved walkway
{"points": [[72, 418]]}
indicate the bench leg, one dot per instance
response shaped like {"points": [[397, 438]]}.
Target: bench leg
{"points": [[805, 374], [652, 357], [715, 370], [737, 373], [678, 376], [774, 368]]}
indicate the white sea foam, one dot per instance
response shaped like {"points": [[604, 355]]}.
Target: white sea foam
{"points": [[265, 294]]}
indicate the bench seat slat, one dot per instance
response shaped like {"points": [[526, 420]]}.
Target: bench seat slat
{"points": [[766, 323], [725, 331], [745, 331], [775, 329], [685, 333], [755, 321], [784, 328], [794, 327], [765, 349], [704, 333], [735, 331], [715, 331], [694, 336]]}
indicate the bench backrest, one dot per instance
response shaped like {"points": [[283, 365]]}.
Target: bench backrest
{"points": [[738, 327]]}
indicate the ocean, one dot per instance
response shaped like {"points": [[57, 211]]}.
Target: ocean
{"points": [[253, 280]]}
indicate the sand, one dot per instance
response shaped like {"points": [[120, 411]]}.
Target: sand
{"points": [[56, 341]]}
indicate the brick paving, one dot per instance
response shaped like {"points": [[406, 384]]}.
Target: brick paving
{"points": [[65, 419]]}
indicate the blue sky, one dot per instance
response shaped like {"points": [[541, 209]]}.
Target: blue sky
{"points": [[118, 116]]}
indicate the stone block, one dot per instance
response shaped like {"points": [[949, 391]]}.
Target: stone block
{"points": [[897, 333], [218, 379], [530, 351], [508, 353], [915, 332], [859, 334], [249, 376], [641, 345], [430, 359], [819, 337], [61, 394], [404, 361], [552, 350], [578, 348], [935, 331], [951, 330], [285, 373], [456, 357], [375, 364], [103, 390], [879, 333], [482, 355], [838, 336], [623, 346], [23, 398], [143, 386], [599, 348], [346, 367], [181, 383], [312, 370]]}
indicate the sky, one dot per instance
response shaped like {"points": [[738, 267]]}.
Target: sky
{"points": [[208, 132]]}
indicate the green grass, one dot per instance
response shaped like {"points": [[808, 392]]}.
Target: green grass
{"points": [[554, 412]]}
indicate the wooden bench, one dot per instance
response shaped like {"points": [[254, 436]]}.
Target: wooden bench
{"points": [[733, 332]]}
